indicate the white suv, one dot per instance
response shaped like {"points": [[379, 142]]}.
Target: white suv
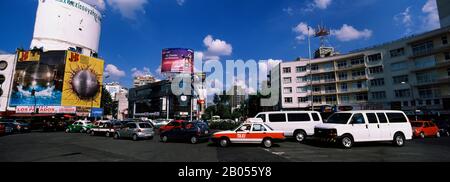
{"points": [[297, 124], [365, 126]]}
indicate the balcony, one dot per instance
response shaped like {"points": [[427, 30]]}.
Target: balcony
{"points": [[324, 81], [350, 67], [442, 64], [353, 90], [434, 81], [429, 51]]}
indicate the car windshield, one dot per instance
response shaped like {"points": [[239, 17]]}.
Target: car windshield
{"points": [[339, 118], [416, 124], [144, 125]]}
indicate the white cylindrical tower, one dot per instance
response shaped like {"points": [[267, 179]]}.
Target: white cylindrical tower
{"points": [[67, 24]]}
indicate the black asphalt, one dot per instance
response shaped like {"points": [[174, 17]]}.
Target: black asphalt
{"points": [[76, 147]]}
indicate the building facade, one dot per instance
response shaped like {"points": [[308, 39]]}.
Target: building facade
{"points": [[409, 74], [237, 97], [444, 12], [143, 80]]}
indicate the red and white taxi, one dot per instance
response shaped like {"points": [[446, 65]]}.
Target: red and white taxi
{"points": [[257, 133]]}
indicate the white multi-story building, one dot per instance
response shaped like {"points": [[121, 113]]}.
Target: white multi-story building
{"points": [[410, 74]]}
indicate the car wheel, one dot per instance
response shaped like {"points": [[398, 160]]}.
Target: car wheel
{"points": [[399, 140], [116, 136], [300, 136], [438, 134], [194, 140], [164, 139], [347, 142], [267, 143], [224, 142], [422, 135], [135, 137]]}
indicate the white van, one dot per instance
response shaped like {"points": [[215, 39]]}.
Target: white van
{"points": [[365, 126], [297, 124]]}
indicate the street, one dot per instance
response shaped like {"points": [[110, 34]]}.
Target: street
{"points": [[76, 147]]}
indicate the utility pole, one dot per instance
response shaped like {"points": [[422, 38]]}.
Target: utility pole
{"points": [[310, 71]]}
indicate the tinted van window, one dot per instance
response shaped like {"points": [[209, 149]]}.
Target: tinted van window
{"points": [[339, 118], [358, 119], [262, 116], [382, 117], [372, 118], [396, 118], [300, 117], [277, 117], [315, 117]]}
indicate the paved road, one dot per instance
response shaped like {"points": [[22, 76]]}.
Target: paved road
{"points": [[76, 147]]}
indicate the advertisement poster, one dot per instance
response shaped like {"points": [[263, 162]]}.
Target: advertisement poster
{"points": [[38, 80], [82, 81], [177, 61]]}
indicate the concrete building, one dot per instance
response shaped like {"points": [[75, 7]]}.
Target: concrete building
{"points": [[122, 105], [444, 12], [409, 74], [237, 97], [143, 80]]}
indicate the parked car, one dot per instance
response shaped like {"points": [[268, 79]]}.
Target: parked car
{"points": [[135, 131], [9, 127], [105, 127], [160, 122], [444, 127], [54, 125], [80, 126], [349, 127], [2, 129], [17, 125], [296, 124], [424, 129], [193, 132], [253, 133], [172, 124]]}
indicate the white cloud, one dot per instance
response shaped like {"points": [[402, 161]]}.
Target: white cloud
{"points": [[99, 4], [113, 71], [322, 4], [128, 8], [431, 20], [140, 72], [216, 48], [302, 31], [349, 33], [406, 20], [181, 2]]}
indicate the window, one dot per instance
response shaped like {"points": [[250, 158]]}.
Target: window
{"points": [[372, 118], [402, 93], [330, 99], [377, 82], [303, 99], [376, 70], [344, 87], [379, 95], [300, 117], [444, 40], [374, 57], [437, 101], [288, 100], [400, 79], [359, 85], [448, 71], [423, 48], [316, 117], [358, 73], [145, 125], [426, 77], [361, 97], [302, 89], [358, 119], [277, 117], [287, 70], [339, 118], [397, 52], [258, 127], [426, 93], [317, 89], [428, 102], [132, 125], [345, 99], [425, 63], [300, 69], [299, 79], [382, 118], [262, 116], [405, 103], [287, 80], [357, 61], [342, 64], [399, 66], [287, 90], [396, 118], [314, 67], [317, 99], [343, 76], [447, 55]]}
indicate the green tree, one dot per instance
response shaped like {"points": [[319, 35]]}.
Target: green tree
{"points": [[106, 102]]}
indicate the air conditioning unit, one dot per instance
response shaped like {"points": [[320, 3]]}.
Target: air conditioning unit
{"points": [[7, 62]]}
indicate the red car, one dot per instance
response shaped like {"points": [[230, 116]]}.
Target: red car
{"points": [[171, 125], [424, 129], [2, 129]]}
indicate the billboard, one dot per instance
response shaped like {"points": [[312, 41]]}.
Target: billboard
{"points": [[177, 60], [82, 81], [46, 110], [38, 79]]}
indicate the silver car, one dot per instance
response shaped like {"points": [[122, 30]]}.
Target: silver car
{"points": [[135, 131]]}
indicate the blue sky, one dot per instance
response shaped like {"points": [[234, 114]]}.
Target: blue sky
{"points": [[135, 31]]}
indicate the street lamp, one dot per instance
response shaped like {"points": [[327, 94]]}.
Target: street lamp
{"points": [[414, 99]]}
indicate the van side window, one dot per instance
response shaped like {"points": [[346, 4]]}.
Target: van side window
{"points": [[277, 117], [298, 117], [262, 116], [372, 118], [382, 117], [358, 119], [396, 118], [315, 116]]}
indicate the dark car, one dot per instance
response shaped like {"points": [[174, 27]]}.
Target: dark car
{"points": [[187, 131], [444, 127], [17, 125], [2, 129], [54, 125], [9, 127]]}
